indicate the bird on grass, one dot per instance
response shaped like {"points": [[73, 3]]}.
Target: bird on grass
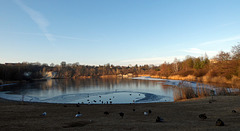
{"points": [[219, 122], [134, 110], [203, 116], [149, 111], [78, 114], [106, 113], [121, 114], [78, 104], [159, 119], [44, 114], [234, 111], [145, 113]]}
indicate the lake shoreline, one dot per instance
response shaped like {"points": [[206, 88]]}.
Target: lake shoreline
{"points": [[16, 115]]}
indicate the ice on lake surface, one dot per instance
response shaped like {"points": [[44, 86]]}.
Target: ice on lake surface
{"points": [[94, 91]]}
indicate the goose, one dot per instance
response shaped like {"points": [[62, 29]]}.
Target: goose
{"points": [[159, 119], [106, 113], [78, 114], [121, 114], [149, 111], [219, 122], [203, 116]]}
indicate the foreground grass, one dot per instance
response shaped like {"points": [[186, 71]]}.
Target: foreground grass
{"points": [[176, 115]]}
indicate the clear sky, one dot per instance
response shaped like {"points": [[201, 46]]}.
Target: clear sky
{"points": [[119, 32]]}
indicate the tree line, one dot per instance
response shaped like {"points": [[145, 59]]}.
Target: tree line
{"points": [[224, 64]]}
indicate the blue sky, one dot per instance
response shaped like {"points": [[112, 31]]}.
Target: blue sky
{"points": [[119, 32]]}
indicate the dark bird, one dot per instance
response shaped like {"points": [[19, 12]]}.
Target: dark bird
{"points": [[94, 101], [233, 111], [149, 111], [99, 96], [78, 104], [121, 114], [110, 99], [134, 110], [106, 113], [203, 116], [159, 119], [219, 122], [130, 94]]}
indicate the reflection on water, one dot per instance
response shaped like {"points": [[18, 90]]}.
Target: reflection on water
{"points": [[108, 91], [90, 90]]}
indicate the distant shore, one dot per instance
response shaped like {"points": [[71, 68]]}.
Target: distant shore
{"points": [[177, 115]]}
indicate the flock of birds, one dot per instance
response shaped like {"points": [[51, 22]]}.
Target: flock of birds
{"points": [[121, 114], [109, 101], [219, 122]]}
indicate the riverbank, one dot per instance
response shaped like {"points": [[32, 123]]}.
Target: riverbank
{"points": [[234, 82], [177, 115]]}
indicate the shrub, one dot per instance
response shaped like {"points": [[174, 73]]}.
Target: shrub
{"points": [[183, 91]]}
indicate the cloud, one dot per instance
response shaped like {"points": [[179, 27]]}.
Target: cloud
{"points": [[38, 18], [153, 60], [221, 41], [49, 36], [200, 52]]}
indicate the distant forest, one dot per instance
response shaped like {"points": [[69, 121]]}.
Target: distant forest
{"points": [[225, 65]]}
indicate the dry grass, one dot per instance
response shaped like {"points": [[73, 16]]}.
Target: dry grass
{"points": [[184, 90], [176, 115]]}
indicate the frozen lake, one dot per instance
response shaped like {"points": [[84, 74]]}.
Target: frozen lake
{"points": [[93, 91]]}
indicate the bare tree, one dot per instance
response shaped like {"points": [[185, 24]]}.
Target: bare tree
{"points": [[236, 51], [223, 56]]}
